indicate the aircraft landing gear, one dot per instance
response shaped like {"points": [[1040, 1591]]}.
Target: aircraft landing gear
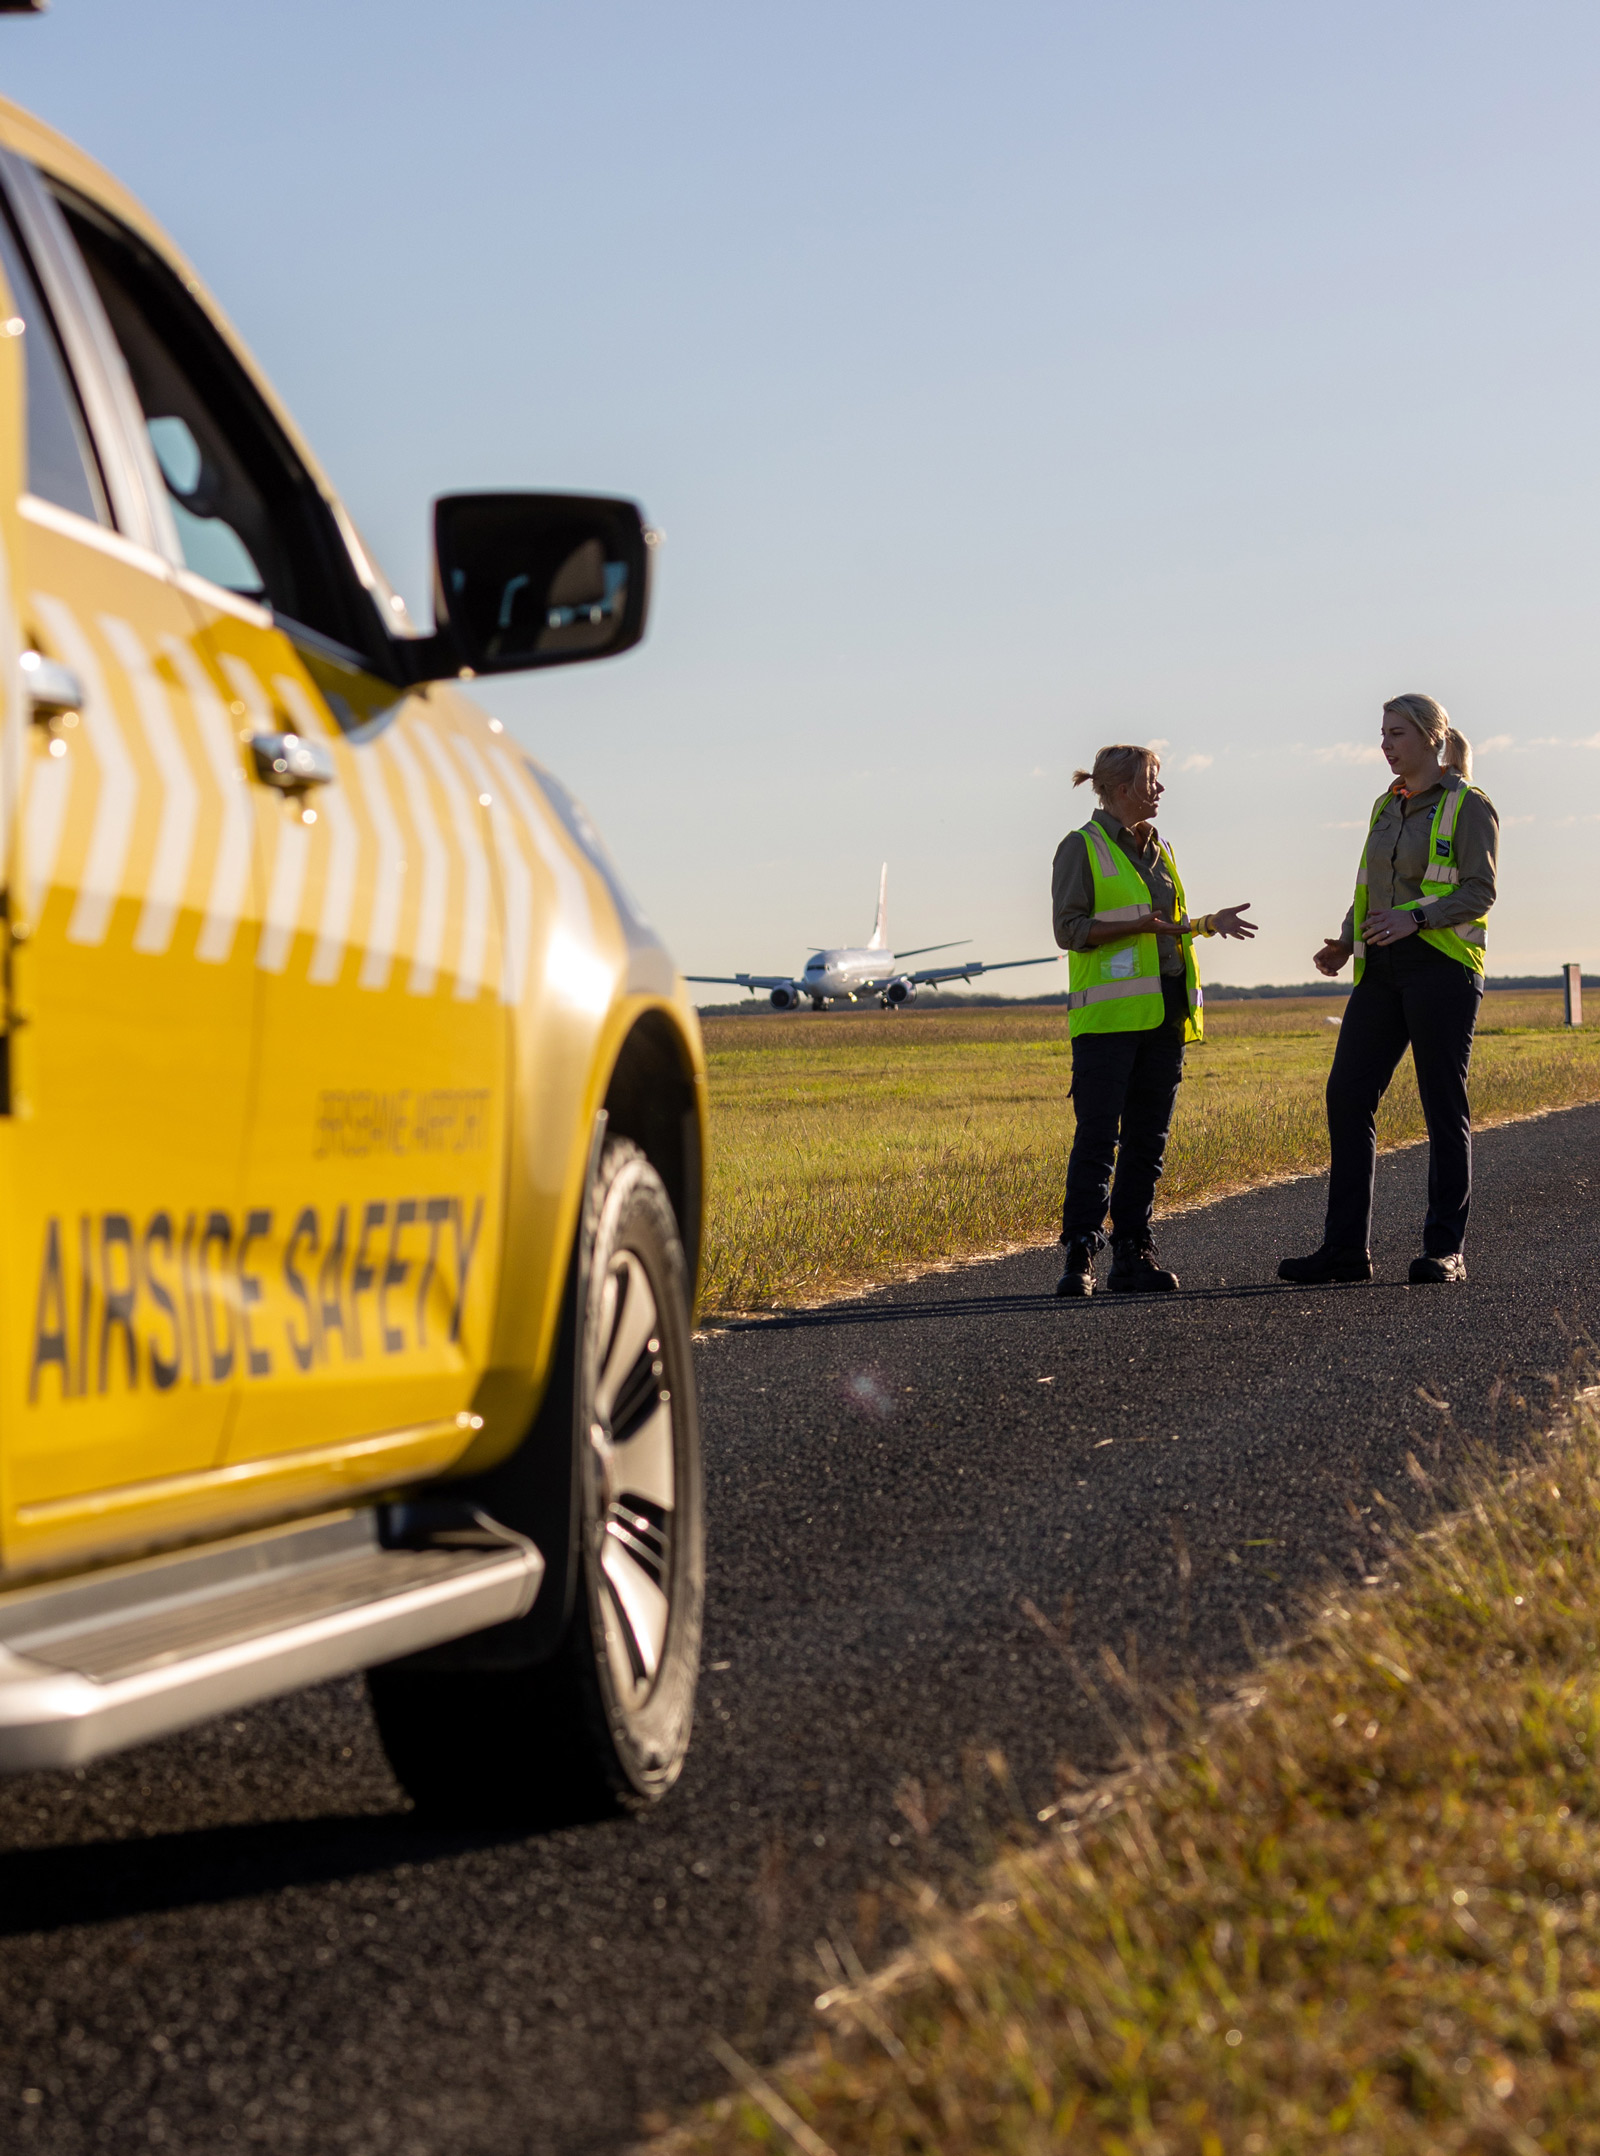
{"points": [[819, 1003]]}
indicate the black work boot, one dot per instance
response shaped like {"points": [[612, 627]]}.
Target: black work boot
{"points": [[1134, 1270], [1426, 1272], [1077, 1277], [1326, 1264]]}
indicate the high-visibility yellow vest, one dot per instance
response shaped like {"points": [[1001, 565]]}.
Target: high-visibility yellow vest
{"points": [[1116, 987], [1468, 940]]}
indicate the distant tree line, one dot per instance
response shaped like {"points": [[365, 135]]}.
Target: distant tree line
{"points": [[1219, 992]]}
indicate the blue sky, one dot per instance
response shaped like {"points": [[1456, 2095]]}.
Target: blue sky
{"points": [[1007, 380]]}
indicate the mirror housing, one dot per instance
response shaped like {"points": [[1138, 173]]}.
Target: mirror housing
{"points": [[529, 580]]}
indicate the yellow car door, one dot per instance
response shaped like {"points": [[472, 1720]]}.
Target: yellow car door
{"points": [[375, 1179], [367, 1240], [131, 916]]}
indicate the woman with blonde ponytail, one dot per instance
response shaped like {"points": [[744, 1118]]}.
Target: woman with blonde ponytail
{"points": [[1120, 914], [1417, 930]]}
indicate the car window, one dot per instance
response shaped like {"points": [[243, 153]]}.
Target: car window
{"points": [[61, 460], [247, 513]]}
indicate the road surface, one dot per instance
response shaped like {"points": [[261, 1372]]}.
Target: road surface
{"points": [[238, 1938]]}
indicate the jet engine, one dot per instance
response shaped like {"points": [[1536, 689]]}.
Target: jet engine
{"points": [[900, 992], [784, 999]]}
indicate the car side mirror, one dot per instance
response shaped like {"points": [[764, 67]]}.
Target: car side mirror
{"points": [[527, 580]]}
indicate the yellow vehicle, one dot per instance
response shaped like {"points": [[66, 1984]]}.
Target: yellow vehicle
{"points": [[351, 1118]]}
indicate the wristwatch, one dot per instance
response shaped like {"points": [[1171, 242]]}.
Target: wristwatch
{"points": [[1422, 916]]}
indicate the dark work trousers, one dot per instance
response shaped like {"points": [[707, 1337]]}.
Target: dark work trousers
{"points": [[1123, 1089], [1408, 994]]}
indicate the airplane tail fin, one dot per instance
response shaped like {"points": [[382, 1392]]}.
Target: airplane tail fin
{"points": [[880, 934]]}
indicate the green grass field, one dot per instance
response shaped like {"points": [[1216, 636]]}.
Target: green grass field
{"points": [[1360, 1913], [854, 1147]]}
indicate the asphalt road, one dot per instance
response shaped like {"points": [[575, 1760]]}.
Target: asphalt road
{"points": [[238, 1938]]}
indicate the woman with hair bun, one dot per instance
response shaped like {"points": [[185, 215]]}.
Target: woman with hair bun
{"points": [[1418, 931], [1118, 907]]}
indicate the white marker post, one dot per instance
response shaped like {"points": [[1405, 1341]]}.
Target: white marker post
{"points": [[1572, 976]]}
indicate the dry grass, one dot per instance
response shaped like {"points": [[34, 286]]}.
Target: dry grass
{"points": [[1358, 1912], [853, 1148]]}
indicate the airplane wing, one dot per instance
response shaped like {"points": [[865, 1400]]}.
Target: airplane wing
{"points": [[752, 981], [931, 976], [921, 950]]}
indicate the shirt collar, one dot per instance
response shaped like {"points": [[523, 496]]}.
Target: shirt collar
{"points": [[1440, 785], [1426, 794], [1116, 832]]}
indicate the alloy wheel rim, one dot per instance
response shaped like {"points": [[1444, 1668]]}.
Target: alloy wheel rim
{"points": [[632, 1437]]}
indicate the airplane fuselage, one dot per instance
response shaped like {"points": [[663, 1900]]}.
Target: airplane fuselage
{"points": [[845, 972]]}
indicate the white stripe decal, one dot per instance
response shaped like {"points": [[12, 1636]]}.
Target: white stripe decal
{"points": [[572, 893], [516, 877], [434, 902], [180, 809], [573, 962], [389, 886], [230, 874], [339, 890], [249, 692], [281, 915], [344, 843], [292, 842], [292, 839], [112, 833], [474, 867]]}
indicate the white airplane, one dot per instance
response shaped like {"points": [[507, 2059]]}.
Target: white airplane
{"points": [[864, 969]]}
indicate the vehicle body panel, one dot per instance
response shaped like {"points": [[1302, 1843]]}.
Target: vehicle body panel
{"points": [[304, 1088]]}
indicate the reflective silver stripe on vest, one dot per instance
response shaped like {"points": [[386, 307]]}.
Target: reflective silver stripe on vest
{"points": [[1142, 984], [1099, 850], [1439, 873], [1123, 913]]}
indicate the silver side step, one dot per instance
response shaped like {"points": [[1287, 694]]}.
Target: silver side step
{"points": [[138, 1650]]}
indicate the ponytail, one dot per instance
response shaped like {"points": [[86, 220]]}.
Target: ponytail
{"points": [[1114, 767], [1456, 754]]}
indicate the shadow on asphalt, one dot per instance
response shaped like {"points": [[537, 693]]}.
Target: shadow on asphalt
{"points": [[1002, 1306], [49, 1890]]}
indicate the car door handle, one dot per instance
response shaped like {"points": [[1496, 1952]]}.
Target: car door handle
{"points": [[291, 762], [53, 690]]}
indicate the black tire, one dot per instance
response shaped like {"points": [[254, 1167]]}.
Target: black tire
{"points": [[602, 1725]]}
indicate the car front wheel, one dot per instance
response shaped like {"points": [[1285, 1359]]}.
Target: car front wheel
{"points": [[603, 1724]]}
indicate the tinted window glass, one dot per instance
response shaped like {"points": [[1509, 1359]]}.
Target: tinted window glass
{"points": [[61, 463], [247, 513]]}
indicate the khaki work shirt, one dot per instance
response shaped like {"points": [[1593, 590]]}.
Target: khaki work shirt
{"points": [[1072, 886], [1397, 859]]}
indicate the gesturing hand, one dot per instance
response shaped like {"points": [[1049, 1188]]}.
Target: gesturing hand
{"points": [[1388, 924], [1231, 922], [1331, 957]]}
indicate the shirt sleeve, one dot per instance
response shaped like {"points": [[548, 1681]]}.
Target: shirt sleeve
{"points": [[1477, 856], [1072, 893], [1347, 934]]}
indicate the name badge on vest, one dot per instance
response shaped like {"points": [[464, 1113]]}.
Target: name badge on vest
{"points": [[1124, 964]]}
